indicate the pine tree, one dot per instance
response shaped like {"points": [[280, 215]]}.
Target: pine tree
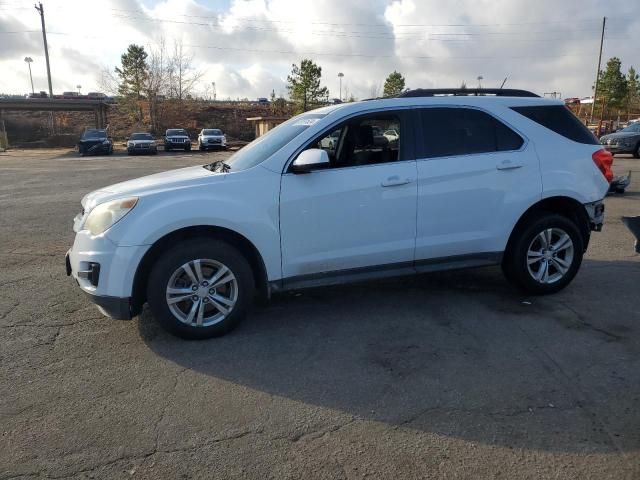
{"points": [[393, 85], [304, 85]]}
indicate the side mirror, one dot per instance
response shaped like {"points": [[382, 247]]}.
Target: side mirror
{"points": [[309, 160]]}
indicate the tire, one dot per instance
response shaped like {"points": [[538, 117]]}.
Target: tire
{"points": [[181, 317], [167, 149], [201, 148], [636, 152], [187, 148], [554, 269]]}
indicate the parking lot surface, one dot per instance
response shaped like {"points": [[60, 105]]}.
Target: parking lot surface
{"points": [[451, 375]]}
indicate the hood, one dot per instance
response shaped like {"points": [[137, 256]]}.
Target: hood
{"points": [[171, 180], [619, 135]]}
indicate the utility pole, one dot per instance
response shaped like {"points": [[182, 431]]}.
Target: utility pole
{"points": [[595, 90], [40, 10]]}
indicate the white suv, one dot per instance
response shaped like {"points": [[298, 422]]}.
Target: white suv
{"points": [[475, 178]]}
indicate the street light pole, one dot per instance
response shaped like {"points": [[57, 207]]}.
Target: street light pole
{"points": [[78, 87], [340, 75], [480, 78], [29, 60]]}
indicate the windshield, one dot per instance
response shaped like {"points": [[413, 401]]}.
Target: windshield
{"points": [[211, 131], [176, 131], [632, 128], [94, 134], [140, 136], [272, 141]]}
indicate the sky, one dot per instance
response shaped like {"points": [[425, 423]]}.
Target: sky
{"points": [[247, 47]]}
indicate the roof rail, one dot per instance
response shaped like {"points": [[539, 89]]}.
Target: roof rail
{"points": [[498, 92]]}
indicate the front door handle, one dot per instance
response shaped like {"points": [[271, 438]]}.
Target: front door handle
{"points": [[508, 165], [395, 181]]}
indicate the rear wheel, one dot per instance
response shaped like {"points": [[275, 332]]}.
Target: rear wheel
{"points": [[200, 288], [545, 254], [636, 152]]}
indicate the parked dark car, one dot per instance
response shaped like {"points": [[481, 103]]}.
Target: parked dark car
{"points": [[95, 141], [626, 140], [177, 138], [141, 143]]}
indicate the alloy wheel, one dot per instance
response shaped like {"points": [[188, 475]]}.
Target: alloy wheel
{"points": [[202, 292], [550, 255]]}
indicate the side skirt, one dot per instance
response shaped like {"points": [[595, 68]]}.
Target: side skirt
{"points": [[377, 272]]}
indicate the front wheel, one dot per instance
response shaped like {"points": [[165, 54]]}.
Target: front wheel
{"points": [[636, 152], [544, 255], [187, 148], [200, 288]]}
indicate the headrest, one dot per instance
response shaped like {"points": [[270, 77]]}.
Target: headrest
{"points": [[363, 136]]}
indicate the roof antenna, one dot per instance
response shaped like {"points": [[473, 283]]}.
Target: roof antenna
{"points": [[503, 82]]}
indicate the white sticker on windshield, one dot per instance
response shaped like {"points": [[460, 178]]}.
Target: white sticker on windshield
{"points": [[307, 122]]}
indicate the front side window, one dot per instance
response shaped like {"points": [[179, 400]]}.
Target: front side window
{"points": [[362, 141], [464, 131]]}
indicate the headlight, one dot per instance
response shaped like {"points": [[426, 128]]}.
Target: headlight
{"points": [[130, 144], [103, 216], [106, 142]]}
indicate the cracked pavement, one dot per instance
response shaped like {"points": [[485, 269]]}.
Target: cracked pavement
{"points": [[452, 375]]}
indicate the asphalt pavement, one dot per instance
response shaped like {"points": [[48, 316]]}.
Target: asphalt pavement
{"points": [[453, 375]]}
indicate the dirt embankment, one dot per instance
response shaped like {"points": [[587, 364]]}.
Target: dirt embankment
{"points": [[45, 129]]}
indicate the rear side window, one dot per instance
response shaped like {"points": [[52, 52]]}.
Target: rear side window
{"points": [[464, 131], [559, 119]]}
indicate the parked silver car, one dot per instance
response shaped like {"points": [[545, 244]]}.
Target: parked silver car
{"points": [[141, 143], [211, 138]]}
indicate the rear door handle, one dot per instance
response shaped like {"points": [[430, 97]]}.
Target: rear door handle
{"points": [[395, 181], [508, 165]]}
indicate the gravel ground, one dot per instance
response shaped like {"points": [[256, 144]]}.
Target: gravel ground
{"points": [[453, 375]]}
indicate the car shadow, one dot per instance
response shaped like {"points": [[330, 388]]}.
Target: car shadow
{"points": [[460, 354]]}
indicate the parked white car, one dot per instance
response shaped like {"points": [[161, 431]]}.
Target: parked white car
{"points": [[509, 179], [212, 138], [391, 135]]}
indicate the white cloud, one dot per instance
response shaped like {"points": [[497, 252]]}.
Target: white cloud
{"points": [[247, 46]]}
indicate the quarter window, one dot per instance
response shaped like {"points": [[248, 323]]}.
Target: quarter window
{"points": [[464, 131]]}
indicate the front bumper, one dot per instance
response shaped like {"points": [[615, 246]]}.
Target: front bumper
{"points": [[95, 149], [118, 308], [105, 272], [142, 149], [618, 148], [177, 144]]}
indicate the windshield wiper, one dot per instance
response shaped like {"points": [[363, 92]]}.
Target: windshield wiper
{"points": [[218, 166]]}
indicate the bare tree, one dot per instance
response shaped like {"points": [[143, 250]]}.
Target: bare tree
{"points": [[374, 92], [182, 75], [108, 82], [157, 82]]}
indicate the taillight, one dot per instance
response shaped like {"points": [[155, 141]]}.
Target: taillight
{"points": [[604, 160]]}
